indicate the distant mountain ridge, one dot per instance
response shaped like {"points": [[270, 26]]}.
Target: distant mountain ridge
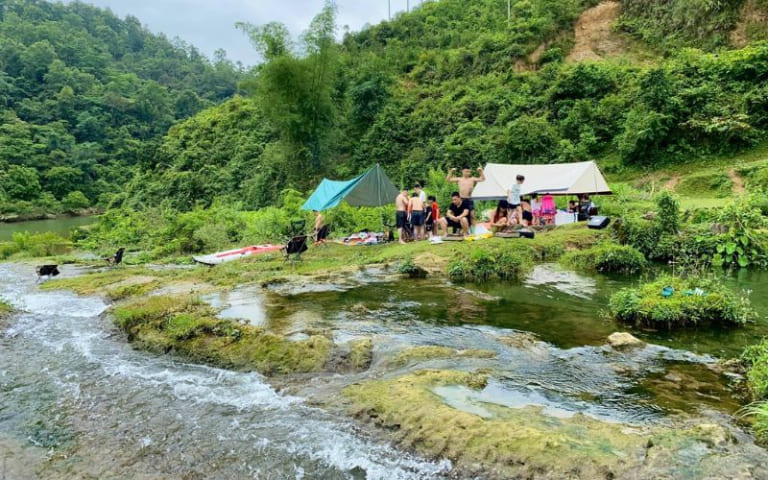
{"points": [[82, 94]]}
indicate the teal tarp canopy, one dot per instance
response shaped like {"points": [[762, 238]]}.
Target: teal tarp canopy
{"points": [[371, 189]]}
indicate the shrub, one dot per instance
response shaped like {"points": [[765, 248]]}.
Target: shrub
{"points": [[755, 358], [409, 267], [608, 258], [644, 235], [483, 265], [41, 244], [694, 301], [669, 213], [75, 201]]}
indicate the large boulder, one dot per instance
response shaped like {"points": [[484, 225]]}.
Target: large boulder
{"points": [[624, 340]]}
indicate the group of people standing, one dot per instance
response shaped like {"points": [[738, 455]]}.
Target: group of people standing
{"points": [[415, 214], [418, 213]]}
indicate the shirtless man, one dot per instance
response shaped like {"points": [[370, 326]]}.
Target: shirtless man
{"points": [[319, 224], [402, 202], [417, 216], [466, 185]]}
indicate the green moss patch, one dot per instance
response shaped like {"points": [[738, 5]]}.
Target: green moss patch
{"points": [[360, 354], [428, 352], [119, 281], [5, 307], [606, 258], [674, 302], [188, 327], [512, 443]]}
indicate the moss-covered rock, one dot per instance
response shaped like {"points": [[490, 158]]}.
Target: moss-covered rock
{"points": [[188, 327], [674, 302], [428, 352], [512, 443], [360, 353]]}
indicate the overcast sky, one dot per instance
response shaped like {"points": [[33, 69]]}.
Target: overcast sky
{"points": [[210, 24]]}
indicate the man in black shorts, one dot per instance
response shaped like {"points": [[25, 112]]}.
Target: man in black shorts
{"points": [[457, 215], [402, 202]]}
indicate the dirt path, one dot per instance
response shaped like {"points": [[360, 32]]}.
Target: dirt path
{"points": [[595, 38], [672, 183], [751, 17], [738, 183]]}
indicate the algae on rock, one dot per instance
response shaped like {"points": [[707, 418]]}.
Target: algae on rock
{"points": [[186, 326]]}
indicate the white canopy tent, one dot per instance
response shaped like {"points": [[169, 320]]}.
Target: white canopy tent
{"points": [[554, 179]]}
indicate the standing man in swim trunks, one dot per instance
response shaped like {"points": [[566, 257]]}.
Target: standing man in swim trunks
{"points": [[402, 202], [466, 185], [417, 216]]}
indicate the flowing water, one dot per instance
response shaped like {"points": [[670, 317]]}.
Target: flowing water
{"points": [[70, 383]]}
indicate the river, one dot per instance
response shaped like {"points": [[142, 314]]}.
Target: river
{"points": [[78, 402], [69, 382], [61, 226]]}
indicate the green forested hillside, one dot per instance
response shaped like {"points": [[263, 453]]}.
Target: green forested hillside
{"points": [[83, 96], [454, 82]]}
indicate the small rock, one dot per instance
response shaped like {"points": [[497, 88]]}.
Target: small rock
{"points": [[624, 340]]}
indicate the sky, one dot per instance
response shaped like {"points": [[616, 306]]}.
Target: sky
{"points": [[210, 24]]}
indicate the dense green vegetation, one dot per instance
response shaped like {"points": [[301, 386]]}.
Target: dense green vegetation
{"points": [[84, 97], [453, 83]]}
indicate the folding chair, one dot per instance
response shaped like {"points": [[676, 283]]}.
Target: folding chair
{"points": [[295, 246], [548, 209]]}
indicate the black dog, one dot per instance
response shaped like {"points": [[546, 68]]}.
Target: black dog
{"points": [[47, 271]]}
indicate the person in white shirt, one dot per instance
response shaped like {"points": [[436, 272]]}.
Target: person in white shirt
{"points": [[513, 196], [422, 194]]}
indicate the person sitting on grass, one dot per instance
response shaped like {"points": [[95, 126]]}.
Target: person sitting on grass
{"points": [[527, 215], [458, 215], [500, 220]]}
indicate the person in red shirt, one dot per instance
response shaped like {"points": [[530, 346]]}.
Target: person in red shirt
{"points": [[434, 213]]}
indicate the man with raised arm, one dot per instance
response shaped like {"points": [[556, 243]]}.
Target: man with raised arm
{"points": [[466, 184]]}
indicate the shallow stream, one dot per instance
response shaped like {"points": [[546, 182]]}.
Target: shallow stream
{"points": [[77, 402]]}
